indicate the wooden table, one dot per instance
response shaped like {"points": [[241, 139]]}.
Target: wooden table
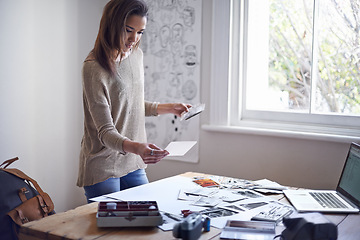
{"points": [[80, 223]]}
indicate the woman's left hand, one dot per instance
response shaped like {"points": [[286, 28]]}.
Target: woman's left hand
{"points": [[150, 153]]}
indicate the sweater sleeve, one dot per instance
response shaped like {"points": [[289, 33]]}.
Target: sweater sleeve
{"points": [[151, 108], [97, 104]]}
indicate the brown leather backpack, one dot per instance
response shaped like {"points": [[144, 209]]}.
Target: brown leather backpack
{"points": [[21, 202]]}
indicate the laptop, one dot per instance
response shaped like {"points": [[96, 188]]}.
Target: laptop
{"points": [[346, 197]]}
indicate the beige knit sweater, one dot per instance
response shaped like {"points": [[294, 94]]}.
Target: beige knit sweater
{"points": [[114, 110]]}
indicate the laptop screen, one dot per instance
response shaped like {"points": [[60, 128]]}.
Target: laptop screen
{"points": [[349, 184]]}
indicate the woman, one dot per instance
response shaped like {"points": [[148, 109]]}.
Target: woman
{"points": [[114, 152]]}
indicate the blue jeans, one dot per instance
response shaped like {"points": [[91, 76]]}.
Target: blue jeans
{"points": [[111, 185]]}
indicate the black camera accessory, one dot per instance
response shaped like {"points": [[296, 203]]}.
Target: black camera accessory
{"points": [[191, 227]]}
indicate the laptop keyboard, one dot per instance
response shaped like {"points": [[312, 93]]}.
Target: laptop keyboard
{"points": [[327, 200]]}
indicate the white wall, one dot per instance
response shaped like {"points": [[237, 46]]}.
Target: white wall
{"points": [[42, 46]]}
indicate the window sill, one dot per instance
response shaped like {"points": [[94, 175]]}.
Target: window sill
{"points": [[329, 133]]}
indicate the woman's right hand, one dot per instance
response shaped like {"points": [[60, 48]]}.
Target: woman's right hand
{"points": [[150, 153]]}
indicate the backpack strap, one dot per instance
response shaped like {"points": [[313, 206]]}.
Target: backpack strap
{"points": [[22, 217], [20, 174], [22, 195], [43, 205], [8, 162]]}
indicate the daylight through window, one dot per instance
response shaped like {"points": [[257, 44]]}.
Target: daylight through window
{"points": [[302, 56]]}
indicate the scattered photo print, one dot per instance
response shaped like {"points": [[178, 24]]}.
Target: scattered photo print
{"points": [[217, 212]]}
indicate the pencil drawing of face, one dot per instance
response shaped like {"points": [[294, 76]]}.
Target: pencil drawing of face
{"points": [[165, 36], [177, 39], [188, 16], [173, 90], [189, 90], [177, 32], [168, 4], [181, 4], [190, 56]]}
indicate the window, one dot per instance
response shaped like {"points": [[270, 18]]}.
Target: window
{"points": [[294, 65]]}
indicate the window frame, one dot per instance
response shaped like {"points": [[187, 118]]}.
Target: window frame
{"points": [[227, 97]]}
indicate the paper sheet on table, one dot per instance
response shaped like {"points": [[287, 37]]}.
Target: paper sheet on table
{"points": [[268, 186], [179, 148]]}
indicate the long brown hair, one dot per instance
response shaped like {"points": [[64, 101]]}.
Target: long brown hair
{"points": [[112, 30]]}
